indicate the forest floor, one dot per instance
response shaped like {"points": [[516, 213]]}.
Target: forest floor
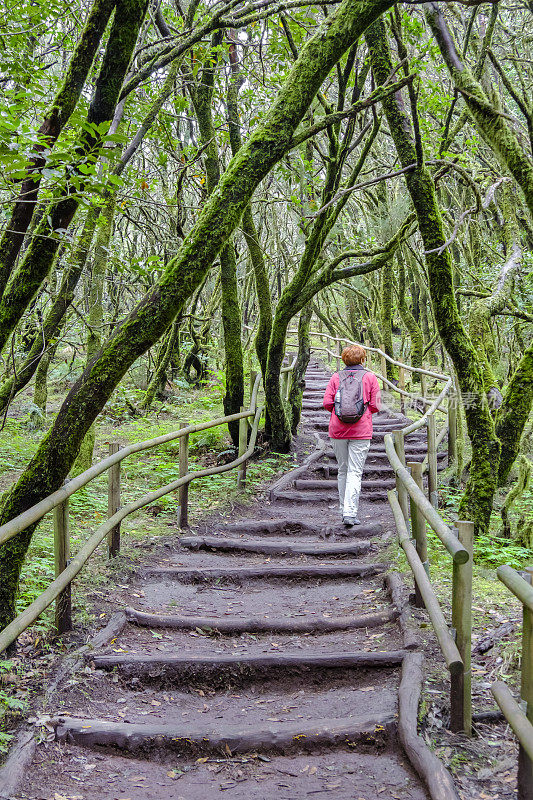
{"points": [[484, 766]]}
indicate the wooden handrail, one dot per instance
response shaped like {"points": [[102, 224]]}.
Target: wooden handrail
{"points": [[37, 512], [459, 554], [522, 727], [451, 654], [431, 410], [417, 370], [41, 603], [517, 585]]}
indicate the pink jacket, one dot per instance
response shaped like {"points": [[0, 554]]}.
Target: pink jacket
{"points": [[362, 429]]}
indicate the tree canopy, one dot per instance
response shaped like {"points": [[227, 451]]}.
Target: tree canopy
{"points": [[185, 180]]}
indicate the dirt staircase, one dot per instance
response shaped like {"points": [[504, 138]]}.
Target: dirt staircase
{"points": [[262, 658]]}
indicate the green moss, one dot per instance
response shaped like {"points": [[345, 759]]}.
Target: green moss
{"points": [[148, 321], [514, 412], [477, 500]]}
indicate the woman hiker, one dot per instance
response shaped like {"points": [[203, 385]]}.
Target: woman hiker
{"points": [[352, 396]]}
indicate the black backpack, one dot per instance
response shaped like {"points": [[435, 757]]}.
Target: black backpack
{"points": [[349, 403]]}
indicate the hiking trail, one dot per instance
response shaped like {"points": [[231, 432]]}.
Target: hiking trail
{"points": [[263, 658]]}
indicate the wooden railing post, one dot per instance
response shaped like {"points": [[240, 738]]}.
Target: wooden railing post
{"points": [[432, 461], [63, 615], [418, 527], [283, 385], [113, 502], [461, 688], [525, 764], [423, 385], [184, 468], [452, 428], [253, 376], [339, 351], [403, 497], [383, 365], [401, 385], [243, 444]]}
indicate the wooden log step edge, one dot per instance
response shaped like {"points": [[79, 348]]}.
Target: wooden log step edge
{"points": [[14, 769], [275, 737], [397, 591], [289, 477], [264, 573], [235, 624], [431, 770], [177, 666], [275, 548]]}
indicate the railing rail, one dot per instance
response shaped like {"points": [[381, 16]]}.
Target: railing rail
{"points": [[66, 569], [381, 353], [410, 506], [451, 654], [521, 718]]}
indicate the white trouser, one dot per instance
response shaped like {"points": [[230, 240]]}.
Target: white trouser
{"points": [[351, 456]]}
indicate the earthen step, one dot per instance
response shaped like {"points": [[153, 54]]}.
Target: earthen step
{"points": [[228, 624], [280, 737], [275, 548], [237, 669], [320, 496], [290, 527], [372, 471], [333, 469], [266, 573], [305, 484]]}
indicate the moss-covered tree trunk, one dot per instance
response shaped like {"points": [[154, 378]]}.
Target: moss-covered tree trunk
{"points": [[55, 119], [54, 319], [513, 413], [413, 329], [159, 378], [492, 125], [95, 319], [231, 309], [386, 288], [476, 503], [183, 274], [302, 360], [38, 258]]}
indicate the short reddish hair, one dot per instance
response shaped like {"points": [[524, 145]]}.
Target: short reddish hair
{"points": [[354, 354]]}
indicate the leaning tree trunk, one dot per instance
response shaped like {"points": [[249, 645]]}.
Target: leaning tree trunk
{"points": [[302, 360], [54, 318], [95, 320], [55, 119], [37, 261], [158, 381], [231, 310], [148, 321], [476, 503]]}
